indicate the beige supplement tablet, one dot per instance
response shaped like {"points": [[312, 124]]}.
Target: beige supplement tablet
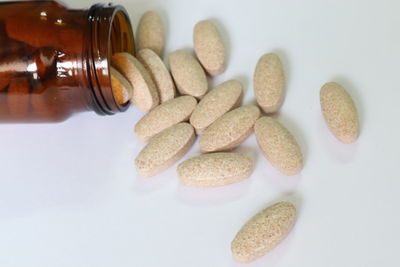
{"points": [[216, 103], [263, 232], [165, 149], [230, 130], [122, 89], [279, 146], [159, 72], [215, 169], [269, 83], [151, 32], [340, 112], [145, 93], [209, 47], [189, 76], [165, 115]]}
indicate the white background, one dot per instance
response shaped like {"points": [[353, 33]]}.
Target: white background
{"points": [[69, 194]]}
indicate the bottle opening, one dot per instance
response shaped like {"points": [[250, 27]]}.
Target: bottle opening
{"points": [[110, 32]]}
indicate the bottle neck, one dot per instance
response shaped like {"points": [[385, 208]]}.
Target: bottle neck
{"points": [[110, 32]]}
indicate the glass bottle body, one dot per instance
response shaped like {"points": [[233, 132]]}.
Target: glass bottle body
{"points": [[54, 61]]}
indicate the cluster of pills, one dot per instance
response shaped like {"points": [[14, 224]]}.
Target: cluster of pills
{"points": [[180, 107]]}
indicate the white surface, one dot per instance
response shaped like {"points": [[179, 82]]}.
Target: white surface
{"points": [[69, 194]]}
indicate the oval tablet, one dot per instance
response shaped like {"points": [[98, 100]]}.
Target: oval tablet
{"points": [[263, 232], [145, 94], [121, 88], [165, 149], [151, 33], [215, 169], [209, 47], [230, 130], [188, 74], [279, 146], [339, 112], [165, 115], [269, 83], [216, 103], [159, 72]]}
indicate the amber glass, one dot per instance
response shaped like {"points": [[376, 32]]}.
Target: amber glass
{"points": [[54, 61]]}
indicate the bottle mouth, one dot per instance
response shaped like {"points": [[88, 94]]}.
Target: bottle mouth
{"points": [[110, 32]]}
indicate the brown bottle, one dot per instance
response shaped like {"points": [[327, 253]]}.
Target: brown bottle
{"points": [[54, 61]]}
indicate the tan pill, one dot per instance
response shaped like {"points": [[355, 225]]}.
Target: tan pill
{"points": [[151, 32], [216, 103], [279, 146], [165, 149], [209, 47], [165, 115], [340, 112], [122, 89], [230, 130], [145, 93], [215, 169], [269, 83], [189, 76], [263, 232], [159, 72]]}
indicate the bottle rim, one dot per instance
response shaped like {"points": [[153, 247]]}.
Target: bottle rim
{"points": [[104, 21]]}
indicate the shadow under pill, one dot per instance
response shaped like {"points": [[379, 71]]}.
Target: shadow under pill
{"points": [[150, 184], [339, 152], [278, 180], [248, 150], [212, 196], [286, 69], [244, 80]]}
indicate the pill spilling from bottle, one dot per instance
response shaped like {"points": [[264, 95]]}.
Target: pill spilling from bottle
{"points": [[223, 123], [44, 76]]}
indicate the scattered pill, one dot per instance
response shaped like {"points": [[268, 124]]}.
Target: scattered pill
{"points": [[263, 232], [230, 130], [279, 146], [188, 74], [215, 169], [209, 47], [151, 33], [145, 94], [165, 149], [269, 83], [340, 112], [159, 72], [165, 115], [122, 89], [216, 103]]}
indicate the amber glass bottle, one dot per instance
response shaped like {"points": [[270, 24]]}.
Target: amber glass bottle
{"points": [[54, 61]]}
